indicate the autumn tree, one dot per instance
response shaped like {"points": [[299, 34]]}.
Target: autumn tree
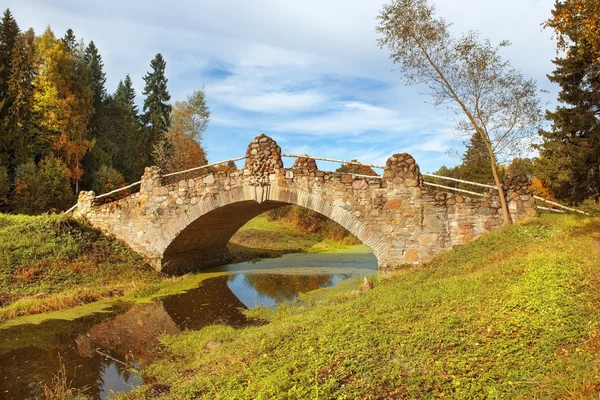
{"points": [[106, 179], [465, 74], [569, 162], [189, 120], [62, 102], [157, 110], [43, 187], [55, 186]]}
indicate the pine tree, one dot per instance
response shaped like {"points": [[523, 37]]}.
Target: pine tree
{"points": [[157, 111], [569, 162], [70, 40], [476, 162], [9, 31], [93, 59], [125, 93], [20, 141]]}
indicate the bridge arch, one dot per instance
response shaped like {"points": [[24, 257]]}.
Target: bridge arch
{"points": [[198, 237], [186, 225]]}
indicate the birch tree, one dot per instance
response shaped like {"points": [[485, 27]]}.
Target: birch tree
{"points": [[467, 75]]}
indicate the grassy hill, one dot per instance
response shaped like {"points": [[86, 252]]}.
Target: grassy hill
{"points": [[513, 315]]}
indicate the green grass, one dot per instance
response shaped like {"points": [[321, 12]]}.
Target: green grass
{"points": [[54, 262], [513, 315]]}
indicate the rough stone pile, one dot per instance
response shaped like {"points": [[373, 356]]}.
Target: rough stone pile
{"points": [[521, 203], [305, 166], [263, 158], [402, 169]]}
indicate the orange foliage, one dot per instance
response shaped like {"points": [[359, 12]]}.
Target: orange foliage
{"points": [[538, 189], [577, 21]]}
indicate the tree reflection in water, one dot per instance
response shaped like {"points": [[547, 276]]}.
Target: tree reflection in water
{"points": [[285, 287]]}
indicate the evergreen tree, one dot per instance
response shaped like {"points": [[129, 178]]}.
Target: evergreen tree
{"points": [[125, 93], [476, 162], [157, 111], [19, 140], [70, 40], [94, 62], [9, 31], [569, 162]]}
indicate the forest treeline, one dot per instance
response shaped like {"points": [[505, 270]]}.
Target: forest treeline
{"points": [[62, 131]]}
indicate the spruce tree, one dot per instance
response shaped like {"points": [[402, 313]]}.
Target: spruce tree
{"points": [[9, 31], [125, 93], [70, 40], [569, 162], [93, 59], [157, 111], [20, 142], [476, 162]]}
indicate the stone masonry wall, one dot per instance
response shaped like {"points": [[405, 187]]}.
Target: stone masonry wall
{"points": [[185, 226]]}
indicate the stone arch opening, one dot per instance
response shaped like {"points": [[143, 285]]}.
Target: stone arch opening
{"points": [[198, 238]]}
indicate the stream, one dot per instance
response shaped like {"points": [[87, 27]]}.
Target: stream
{"points": [[95, 352]]}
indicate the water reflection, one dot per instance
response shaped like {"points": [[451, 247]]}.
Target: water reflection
{"points": [[93, 348]]}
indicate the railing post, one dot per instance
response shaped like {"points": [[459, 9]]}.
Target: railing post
{"points": [[85, 201], [150, 180]]}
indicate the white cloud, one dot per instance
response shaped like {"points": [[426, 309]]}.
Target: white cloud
{"points": [[282, 56]]}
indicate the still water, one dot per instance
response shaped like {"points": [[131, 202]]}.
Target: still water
{"points": [[97, 351]]}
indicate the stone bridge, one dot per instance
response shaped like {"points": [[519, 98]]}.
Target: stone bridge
{"points": [[185, 226]]}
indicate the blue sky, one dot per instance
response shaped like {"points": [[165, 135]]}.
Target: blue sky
{"points": [[308, 73]]}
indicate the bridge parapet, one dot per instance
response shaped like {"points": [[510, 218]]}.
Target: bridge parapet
{"points": [[186, 225]]}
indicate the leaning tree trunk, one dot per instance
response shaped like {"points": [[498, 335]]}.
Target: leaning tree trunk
{"points": [[501, 193]]}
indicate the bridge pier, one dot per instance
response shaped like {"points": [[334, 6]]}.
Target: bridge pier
{"points": [[185, 226]]}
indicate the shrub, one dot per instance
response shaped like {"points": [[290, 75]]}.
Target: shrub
{"points": [[107, 179]]}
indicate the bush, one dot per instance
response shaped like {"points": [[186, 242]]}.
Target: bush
{"points": [[107, 179], [54, 178], [42, 188], [590, 206]]}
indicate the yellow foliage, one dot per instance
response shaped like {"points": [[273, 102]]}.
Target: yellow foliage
{"points": [[62, 101], [577, 21]]}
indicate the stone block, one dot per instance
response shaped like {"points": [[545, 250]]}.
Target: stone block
{"points": [[393, 204], [428, 239], [346, 178], [411, 256], [209, 179], [360, 184]]}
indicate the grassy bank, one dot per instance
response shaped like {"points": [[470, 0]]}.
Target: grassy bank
{"points": [[54, 262], [261, 238], [513, 315]]}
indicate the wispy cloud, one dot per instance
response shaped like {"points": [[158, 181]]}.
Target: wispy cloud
{"points": [[308, 73]]}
